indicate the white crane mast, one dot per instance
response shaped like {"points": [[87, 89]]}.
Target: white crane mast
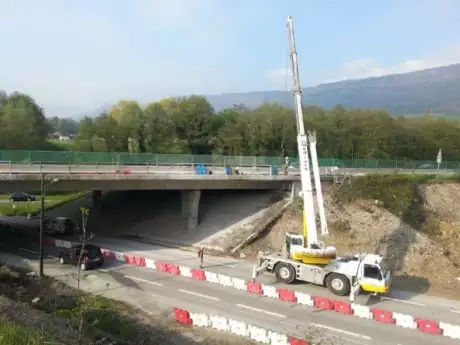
{"points": [[302, 143], [319, 190]]}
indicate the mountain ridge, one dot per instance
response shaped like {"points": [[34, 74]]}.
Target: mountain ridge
{"points": [[435, 90]]}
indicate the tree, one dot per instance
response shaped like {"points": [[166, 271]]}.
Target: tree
{"points": [[22, 122], [191, 119]]}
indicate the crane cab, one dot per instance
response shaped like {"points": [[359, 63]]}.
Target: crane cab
{"points": [[373, 274], [316, 253]]}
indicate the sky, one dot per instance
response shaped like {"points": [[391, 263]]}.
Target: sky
{"points": [[74, 57]]}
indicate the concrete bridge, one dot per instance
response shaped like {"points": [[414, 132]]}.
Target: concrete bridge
{"points": [[98, 178]]}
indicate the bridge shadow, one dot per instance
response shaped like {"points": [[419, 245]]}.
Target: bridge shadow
{"points": [[155, 216]]}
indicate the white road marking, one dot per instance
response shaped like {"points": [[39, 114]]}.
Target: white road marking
{"points": [[28, 251], [455, 311], [261, 310], [143, 280], [103, 270], [355, 341], [199, 295], [403, 301], [338, 330]]}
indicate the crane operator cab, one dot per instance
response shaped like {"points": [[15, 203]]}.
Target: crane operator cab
{"points": [[374, 274], [316, 253]]}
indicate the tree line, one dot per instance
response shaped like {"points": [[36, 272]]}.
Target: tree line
{"points": [[191, 125]]}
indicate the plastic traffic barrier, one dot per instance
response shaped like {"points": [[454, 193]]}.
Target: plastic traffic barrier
{"points": [[258, 334], [200, 320], [254, 288], [119, 256], [150, 263], [161, 266], [342, 307], [62, 244], [383, 316], [49, 241], [198, 274], [211, 277], [287, 295], [449, 330], [174, 269], [295, 341], [362, 311], [428, 326], [185, 271], [134, 260], [108, 253], [323, 303], [270, 291], [277, 338], [405, 321], [225, 280], [219, 322], [238, 327], [305, 299], [182, 316], [239, 284]]}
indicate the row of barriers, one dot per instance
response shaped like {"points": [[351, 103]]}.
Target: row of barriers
{"points": [[237, 327], [128, 158], [269, 291]]}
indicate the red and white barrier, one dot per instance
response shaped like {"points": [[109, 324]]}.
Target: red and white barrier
{"points": [[269, 291], [449, 330], [236, 327]]}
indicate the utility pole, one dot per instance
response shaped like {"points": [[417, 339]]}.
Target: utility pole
{"points": [[42, 220], [42, 217]]}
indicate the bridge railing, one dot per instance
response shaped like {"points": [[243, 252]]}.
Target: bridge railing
{"points": [[124, 158]]}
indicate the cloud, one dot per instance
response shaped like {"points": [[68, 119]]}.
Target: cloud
{"points": [[280, 78], [365, 68]]}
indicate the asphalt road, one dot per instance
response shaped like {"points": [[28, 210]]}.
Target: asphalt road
{"points": [[150, 290], [187, 169], [418, 305]]}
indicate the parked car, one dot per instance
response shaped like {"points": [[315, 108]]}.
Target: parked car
{"points": [[21, 196], [91, 258]]}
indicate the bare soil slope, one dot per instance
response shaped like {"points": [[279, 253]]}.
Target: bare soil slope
{"points": [[424, 254]]}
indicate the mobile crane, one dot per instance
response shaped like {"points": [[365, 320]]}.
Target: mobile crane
{"points": [[305, 258]]}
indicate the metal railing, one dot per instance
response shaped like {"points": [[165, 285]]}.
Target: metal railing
{"points": [[154, 159]]}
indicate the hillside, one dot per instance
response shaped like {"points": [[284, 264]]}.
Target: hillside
{"points": [[414, 223], [434, 90]]}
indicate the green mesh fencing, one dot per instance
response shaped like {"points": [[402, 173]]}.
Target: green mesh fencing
{"points": [[123, 158]]}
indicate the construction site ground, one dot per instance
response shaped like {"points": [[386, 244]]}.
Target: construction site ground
{"points": [[421, 243]]}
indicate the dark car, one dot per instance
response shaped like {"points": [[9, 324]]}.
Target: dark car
{"points": [[91, 258], [21, 196]]}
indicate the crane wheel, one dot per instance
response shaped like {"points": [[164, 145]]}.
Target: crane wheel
{"points": [[338, 284], [285, 273]]}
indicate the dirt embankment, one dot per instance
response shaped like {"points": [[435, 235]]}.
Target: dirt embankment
{"points": [[415, 224]]}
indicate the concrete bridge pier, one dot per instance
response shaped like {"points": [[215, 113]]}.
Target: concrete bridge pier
{"points": [[96, 202], [190, 204]]}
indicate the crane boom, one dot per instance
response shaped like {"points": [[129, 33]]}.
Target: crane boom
{"points": [[302, 144]]}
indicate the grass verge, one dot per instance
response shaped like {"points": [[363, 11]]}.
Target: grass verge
{"points": [[14, 334], [33, 207]]}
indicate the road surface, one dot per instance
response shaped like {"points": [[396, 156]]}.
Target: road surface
{"points": [[150, 290]]}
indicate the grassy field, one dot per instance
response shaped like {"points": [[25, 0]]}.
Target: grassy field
{"points": [[64, 145], [33, 207]]}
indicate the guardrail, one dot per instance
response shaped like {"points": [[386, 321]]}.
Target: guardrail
{"points": [[154, 159]]}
